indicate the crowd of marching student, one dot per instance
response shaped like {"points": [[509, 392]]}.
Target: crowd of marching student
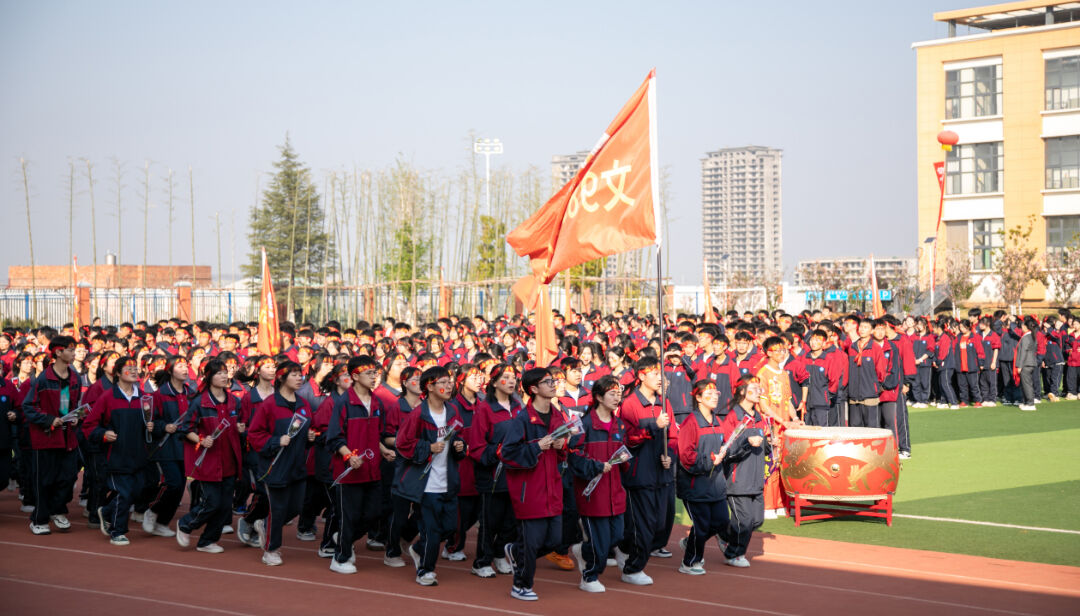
{"points": [[406, 439]]}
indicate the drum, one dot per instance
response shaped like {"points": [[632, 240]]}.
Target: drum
{"points": [[839, 464]]}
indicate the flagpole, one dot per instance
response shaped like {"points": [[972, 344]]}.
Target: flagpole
{"points": [[660, 321]]}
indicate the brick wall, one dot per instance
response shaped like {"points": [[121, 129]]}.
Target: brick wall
{"points": [[109, 276]]}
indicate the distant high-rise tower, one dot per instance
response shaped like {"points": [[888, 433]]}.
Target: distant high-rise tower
{"points": [[741, 227], [563, 168]]}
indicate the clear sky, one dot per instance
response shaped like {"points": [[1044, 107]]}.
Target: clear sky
{"points": [[216, 85]]}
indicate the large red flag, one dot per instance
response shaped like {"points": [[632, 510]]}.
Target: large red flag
{"points": [[269, 331], [611, 205], [876, 308]]}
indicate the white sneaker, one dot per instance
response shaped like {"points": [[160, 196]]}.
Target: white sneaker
{"points": [[456, 556], [770, 514], [428, 579], [637, 579], [260, 531], [1027, 407], [42, 529], [611, 563], [905, 455], [345, 567], [272, 559], [416, 558], [374, 545], [660, 553], [990, 404], [954, 407], [306, 536], [694, 569], [593, 586], [119, 540], [26, 508], [503, 566], [326, 552], [213, 548], [942, 405], [161, 530], [393, 561], [523, 594], [444, 554], [148, 520], [781, 513], [227, 529], [184, 539], [483, 572], [620, 559], [61, 522], [135, 516], [576, 551], [738, 561]]}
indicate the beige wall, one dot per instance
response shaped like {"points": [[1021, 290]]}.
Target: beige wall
{"points": [[1023, 72]]}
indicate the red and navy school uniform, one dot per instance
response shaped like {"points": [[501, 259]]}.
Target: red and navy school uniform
{"points": [[745, 471], [968, 359], [823, 383], [678, 389], [991, 348], [165, 473], [920, 346], [317, 496], [497, 525], [868, 369], [945, 363], [12, 393], [535, 487], [749, 364], [357, 500], [888, 410], [591, 373], [700, 483], [723, 372], [649, 486], [126, 457], [797, 377], [468, 495], [285, 478], [438, 506], [601, 512], [1072, 366], [217, 475], [54, 449], [404, 518], [625, 377], [1053, 362], [575, 405]]}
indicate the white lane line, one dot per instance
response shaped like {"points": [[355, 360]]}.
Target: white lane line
{"points": [[997, 524], [60, 588], [270, 577]]}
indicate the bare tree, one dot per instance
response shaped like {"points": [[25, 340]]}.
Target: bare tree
{"points": [[1064, 272], [118, 170], [958, 275], [818, 277], [1018, 264], [93, 227]]}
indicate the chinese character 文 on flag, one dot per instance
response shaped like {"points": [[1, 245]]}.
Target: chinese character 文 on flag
{"points": [[610, 206]]}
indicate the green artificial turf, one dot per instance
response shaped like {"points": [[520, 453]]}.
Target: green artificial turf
{"points": [[997, 465]]}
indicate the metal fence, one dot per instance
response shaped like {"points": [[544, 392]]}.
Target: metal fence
{"points": [[316, 304]]}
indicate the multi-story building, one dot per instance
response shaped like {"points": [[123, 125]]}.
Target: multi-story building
{"points": [[854, 272], [1011, 92], [563, 168], [741, 213]]}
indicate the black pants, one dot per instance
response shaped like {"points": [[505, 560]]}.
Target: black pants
{"points": [[212, 508], [468, 509], [316, 501], [864, 415], [709, 519], [54, 479], [948, 396], [1053, 379], [536, 537], [163, 489], [968, 383], [356, 507], [26, 475], [94, 472], [818, 416], [903, 435], [1072, 380], [382, 531], [571, 529], [887, 412], [920, 388], [404, 524], [123, 487], [497, 527], [438, 521], [285, 504], [1009, 391], [647, 527], [747, 514], [988, 385], [600, 535]]}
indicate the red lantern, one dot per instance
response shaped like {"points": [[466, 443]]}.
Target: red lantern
{"points": [[947, 139]]}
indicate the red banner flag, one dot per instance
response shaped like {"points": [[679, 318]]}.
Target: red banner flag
{"points": [[612, 203], [710, 316], [269, 331], [546, 340]]}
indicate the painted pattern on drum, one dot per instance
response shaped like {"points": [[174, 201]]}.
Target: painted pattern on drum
{"points": [[840, 466]]}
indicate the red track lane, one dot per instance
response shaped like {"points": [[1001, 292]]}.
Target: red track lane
{"points": [[78, 572]]}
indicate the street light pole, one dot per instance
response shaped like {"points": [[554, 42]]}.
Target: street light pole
{"points": [[487, 147]]}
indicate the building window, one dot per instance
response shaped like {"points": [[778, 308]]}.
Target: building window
{"points": [[975, 168], [1060, 232], [1063, 83], [1063, 162], [973, 92], [986, 237]]}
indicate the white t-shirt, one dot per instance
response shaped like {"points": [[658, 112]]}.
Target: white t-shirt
{"points": [[436, 483]]}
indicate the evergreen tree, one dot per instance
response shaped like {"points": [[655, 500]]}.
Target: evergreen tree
{"points": [[290, 224]]}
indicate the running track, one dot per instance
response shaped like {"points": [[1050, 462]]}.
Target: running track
{"points": [[78, 572]]}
